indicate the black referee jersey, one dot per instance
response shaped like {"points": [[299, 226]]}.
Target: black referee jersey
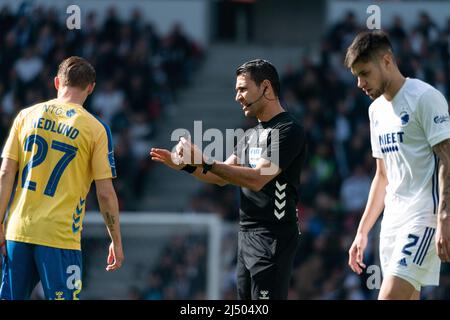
{"points": [[282, 141]]}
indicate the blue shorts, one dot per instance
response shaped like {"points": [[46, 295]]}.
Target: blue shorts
{"points": [[25, 264]]}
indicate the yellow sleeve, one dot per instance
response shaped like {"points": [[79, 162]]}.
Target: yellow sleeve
{"points": [[11, 148], [103, 164]]}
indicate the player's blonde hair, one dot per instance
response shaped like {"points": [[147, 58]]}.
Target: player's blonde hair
{"points": [[76, 72]]}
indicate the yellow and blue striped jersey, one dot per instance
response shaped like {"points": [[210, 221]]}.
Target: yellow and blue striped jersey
{"points": [[60, 148]]}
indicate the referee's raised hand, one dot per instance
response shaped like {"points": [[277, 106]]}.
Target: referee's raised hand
{"points": [[189, 152], [164, 156]]}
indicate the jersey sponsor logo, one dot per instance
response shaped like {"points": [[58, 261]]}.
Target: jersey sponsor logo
{"points": [[389, 149], [52, 109], [389, 141], [441, 119], [254, 154]]}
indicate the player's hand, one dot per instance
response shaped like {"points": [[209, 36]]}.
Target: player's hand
{"points": [[166, 157], [115, 257], [356, 253], [442, 240]]}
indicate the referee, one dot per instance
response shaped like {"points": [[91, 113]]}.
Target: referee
{"points": [[266, 164]]}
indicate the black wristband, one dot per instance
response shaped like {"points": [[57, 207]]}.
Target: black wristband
{"points": [[188, 168], [207, 167]]}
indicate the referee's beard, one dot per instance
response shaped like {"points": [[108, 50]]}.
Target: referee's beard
{"points": [[252, 110]]}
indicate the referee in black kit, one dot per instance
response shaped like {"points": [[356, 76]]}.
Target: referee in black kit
{"points": [[266, 164]]}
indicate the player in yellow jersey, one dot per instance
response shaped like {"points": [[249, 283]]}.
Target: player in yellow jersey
{"points": [[57, 149]]}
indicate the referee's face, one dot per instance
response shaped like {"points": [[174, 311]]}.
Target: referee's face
{"points": [[249, 95]]}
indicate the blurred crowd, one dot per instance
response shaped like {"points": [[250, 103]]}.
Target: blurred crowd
{"points": [[139, 72], [180, 271], [335, 182]]}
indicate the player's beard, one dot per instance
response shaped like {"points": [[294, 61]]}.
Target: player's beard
{"points": [[381, 89]]}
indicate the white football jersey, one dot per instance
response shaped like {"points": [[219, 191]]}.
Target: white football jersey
{"points": [[403, 132]]}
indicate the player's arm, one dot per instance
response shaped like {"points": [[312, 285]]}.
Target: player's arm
{"points": [[374, 207], [375, 201], [109, 208], [166, 157], [8, 172], [7, 176], [442, 150]]}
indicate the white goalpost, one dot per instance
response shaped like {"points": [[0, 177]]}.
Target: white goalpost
{"points": [[144, 235]]}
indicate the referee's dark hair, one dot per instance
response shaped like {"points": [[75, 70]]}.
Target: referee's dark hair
{"points": [[368, 45], [260, 70]]}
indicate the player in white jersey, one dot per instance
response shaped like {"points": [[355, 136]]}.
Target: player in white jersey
{"points": [[410, 137]]}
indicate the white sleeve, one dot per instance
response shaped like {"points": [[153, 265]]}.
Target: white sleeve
{"points": [[376, 149], [433, 114]]}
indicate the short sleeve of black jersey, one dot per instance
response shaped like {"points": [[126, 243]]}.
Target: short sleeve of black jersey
{"points": [[286, 143], [239, 148]]}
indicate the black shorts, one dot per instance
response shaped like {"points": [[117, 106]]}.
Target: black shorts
{"points": [[264, 263]]}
